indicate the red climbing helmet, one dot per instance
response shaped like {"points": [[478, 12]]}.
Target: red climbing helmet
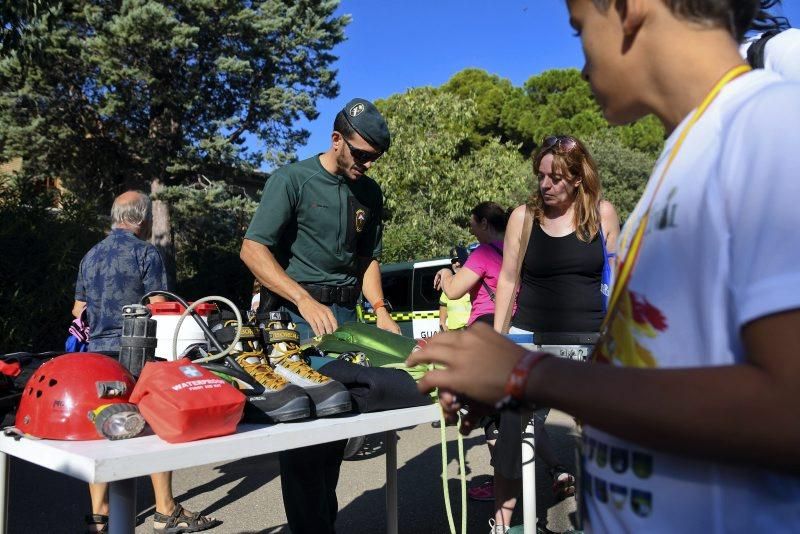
{"points": [[62, 398]]}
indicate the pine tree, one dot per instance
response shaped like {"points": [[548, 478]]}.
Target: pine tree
{"points": [[109, 95]]}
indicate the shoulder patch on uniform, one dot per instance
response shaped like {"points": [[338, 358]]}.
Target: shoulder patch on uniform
{"points": [[361, 220]]}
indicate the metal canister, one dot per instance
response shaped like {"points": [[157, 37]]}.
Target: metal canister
{"points": [[138, 341]]}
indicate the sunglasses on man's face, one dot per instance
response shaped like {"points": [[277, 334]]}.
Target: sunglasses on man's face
{"points": [[564, 143], [362, 156]]}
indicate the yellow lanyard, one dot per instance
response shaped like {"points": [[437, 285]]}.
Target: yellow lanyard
{"points": [[625, 268]]}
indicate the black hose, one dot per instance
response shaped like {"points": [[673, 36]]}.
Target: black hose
{"points": [[203, 326], [207, 331]]}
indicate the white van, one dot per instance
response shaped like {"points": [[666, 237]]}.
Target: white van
{"points": [[409, 289]]}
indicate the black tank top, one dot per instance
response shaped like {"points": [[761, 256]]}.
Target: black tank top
{"points": [[560, 290]]}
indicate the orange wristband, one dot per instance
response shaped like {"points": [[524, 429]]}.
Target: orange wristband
{"points": [[518, 379], [379, 304]]}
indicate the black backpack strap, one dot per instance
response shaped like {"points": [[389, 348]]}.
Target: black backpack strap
{"points": [[488, 289], [755, 53], [485, 285]]}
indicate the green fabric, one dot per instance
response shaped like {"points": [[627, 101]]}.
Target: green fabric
{"points": [[458, 311], [372, 337], [381, 347], [316, 224], [329, 343]]}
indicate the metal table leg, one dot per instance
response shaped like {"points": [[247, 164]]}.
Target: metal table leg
{"points": [[528, 474], [122, 507], [4, 472], [390, 441]]}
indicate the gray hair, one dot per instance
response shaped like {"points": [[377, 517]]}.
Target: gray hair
{"points": [[131, 212]]}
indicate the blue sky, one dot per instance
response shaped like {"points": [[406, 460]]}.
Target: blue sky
{"points": [[395, 45]]}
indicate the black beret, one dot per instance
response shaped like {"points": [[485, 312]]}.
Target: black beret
{"points": [[365, 119]]}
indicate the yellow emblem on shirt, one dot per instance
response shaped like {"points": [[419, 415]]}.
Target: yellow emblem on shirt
{"points": [[361, 220]]}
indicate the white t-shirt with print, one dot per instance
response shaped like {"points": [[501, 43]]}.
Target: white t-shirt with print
{"points": [[721, 249]]}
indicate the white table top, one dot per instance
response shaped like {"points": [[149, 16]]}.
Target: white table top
{"points": [[107, 461]]}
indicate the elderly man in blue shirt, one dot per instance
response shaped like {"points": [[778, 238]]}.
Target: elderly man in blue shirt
{"points": [[118, 271]]}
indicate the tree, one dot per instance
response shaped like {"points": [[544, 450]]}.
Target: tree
{"points": [[432, 176], [623, 171], [147, 93], [554, 102], [212, 217], [42, 248], [503, 111]]}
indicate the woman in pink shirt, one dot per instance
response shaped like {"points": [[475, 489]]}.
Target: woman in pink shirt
{"points": [[478, 276]]}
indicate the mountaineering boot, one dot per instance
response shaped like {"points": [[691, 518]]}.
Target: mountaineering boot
{"points": [[328, 396], [280, 400]]}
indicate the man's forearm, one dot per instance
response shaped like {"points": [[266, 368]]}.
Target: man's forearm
{"points": [[447, 285], [371, 283], [372, 289], [730, 412]]}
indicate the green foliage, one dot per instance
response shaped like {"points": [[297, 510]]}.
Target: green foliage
{"points": [[623, 171], [109, 95], [38, 279], [432, 176], [501, 110], [210, 219], [41, 250], [553, 102], [645, 135]]}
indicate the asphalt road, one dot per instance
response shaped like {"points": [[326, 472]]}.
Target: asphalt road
{"points": [[246, 493]]}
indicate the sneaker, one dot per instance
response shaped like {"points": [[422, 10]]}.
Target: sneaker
{"points": [[328, 396], [497, 529], [482, 492]]}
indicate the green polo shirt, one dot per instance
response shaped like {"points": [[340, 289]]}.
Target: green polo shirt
{"points": [[317, 224]]}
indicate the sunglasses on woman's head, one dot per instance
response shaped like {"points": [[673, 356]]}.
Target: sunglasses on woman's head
{"points": [[564, 143]]}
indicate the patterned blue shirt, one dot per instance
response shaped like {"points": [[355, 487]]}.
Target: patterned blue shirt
{"points": [[116, 272]]}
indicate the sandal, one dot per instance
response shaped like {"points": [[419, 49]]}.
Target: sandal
{"points": [[98, 521], [563, 482], [182, 520], [482, 492]]}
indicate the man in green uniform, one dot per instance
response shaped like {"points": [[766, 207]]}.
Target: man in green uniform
{"points": [[313, 245]]}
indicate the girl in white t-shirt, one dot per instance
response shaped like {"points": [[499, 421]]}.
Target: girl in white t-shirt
{"points": [[690, 410]]}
